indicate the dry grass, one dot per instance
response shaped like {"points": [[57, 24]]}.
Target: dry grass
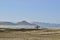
{"points": [[45, 34]]}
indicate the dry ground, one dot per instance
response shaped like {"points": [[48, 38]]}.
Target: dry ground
{"points": [[45, 34]]}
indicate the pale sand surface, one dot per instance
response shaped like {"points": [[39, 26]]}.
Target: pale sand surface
{"points": [[31, 35]]}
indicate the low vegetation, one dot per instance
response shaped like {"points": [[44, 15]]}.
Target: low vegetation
{"points": [[30, 34]]}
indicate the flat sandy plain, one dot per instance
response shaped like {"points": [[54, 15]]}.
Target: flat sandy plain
{"points": [[43, 34]]}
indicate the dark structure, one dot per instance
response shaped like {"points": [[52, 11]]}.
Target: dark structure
{"points": [[37, 27]]}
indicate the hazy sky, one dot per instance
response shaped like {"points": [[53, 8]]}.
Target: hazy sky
{"points": [[30, 10]]}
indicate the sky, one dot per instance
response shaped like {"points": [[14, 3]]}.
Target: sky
{"points": [[30, 10]]}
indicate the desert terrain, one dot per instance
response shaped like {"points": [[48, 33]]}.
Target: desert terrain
{"points": [[31, 34]]}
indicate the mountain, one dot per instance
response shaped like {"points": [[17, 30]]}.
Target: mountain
{"points": [[41, 24], [19, 23], [6, 23], [24, 23], [47, 25]]}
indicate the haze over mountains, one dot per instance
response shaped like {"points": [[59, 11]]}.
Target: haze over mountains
{"points": [[41, 24], [47, 25], [18, 23]]}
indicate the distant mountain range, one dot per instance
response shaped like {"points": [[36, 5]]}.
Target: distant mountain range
{"points": [[24, 23], [41, 24], [47, 25], [6, 23], [19, 23]]}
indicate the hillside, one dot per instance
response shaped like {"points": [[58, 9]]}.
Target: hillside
{"points": [[47, 25]]}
